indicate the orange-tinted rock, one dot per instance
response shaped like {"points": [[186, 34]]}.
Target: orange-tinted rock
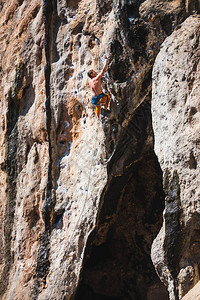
{"points": [[81, 198]]}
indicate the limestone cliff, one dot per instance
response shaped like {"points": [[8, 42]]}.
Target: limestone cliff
{"points": [[82, 199], [175, 109]]}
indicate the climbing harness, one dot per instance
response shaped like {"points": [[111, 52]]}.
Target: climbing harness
{"points": [[95, 99], [102, 99]]}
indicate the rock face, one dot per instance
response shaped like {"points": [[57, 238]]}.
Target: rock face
{"points": [[193, 293], [176, 123], [82, 199]]}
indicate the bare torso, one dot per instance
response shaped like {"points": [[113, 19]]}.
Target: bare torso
{"points": [[95, 85]]}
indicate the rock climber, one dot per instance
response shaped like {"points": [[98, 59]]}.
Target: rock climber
{"points": [[99, 98]]}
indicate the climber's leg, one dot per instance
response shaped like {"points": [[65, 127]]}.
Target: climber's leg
{"points": [[98, 109], [107, 101]]}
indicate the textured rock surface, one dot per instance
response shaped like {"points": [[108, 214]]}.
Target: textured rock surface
{"points": [[24, 152], [82, 199], [193, 293], [176, 123]]}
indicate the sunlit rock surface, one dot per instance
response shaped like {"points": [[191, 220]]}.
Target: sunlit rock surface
{"points": [[82, 199], [176, 123], [193, 293]]}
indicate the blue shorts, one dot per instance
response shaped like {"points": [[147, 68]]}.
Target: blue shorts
{"points": [[95, 99]]}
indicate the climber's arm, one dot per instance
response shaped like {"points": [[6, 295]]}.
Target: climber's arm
{"points": [[104, 68]]}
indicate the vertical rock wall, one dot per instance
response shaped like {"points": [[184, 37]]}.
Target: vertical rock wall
{"points": [[24, 154], [175, 109], [81, 198]]}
